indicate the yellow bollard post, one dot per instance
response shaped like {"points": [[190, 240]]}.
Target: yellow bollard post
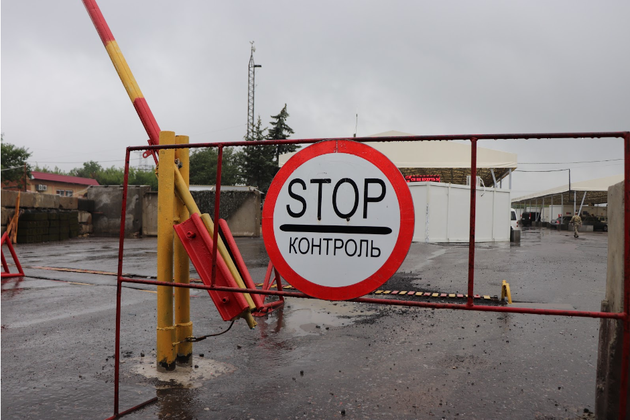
{"points": [[166, 351], [505, 292], [183, 324]]}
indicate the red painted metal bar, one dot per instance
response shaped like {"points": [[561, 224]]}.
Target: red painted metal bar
{"points": [[5, 266], [230, 244], [200, 248], [5, 273], [268, 282], [119, 283], [132, 409], [396, 302], [217, 203], [607, 134], [473, 212], [625, 354]]}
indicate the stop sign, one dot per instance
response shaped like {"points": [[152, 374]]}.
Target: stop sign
{"points": [[338, 220]]}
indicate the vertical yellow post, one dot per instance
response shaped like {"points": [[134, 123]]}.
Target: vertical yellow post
{"points": [[183, 325], [166, 352]]}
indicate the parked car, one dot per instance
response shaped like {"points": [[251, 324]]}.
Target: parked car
{"points": [[528, 217], [560, 223], [596, 222], [514, 222]]}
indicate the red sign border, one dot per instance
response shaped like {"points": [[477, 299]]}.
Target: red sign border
{"points": [[405, 234]]}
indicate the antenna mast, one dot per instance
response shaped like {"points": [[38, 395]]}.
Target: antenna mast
{"points": [[251, 85]]}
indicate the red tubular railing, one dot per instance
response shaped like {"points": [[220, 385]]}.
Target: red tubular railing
{"points": [[472, 222], [624, 316]]}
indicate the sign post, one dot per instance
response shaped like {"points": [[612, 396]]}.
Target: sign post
{"points": [[338, 220]]}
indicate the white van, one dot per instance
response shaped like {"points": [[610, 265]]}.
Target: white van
{"points": [[513, 221]]}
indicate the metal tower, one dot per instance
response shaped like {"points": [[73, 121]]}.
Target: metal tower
{"points": [[251, 85]]}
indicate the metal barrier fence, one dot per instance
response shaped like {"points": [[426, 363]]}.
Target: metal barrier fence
{"points": [[469, 305]]}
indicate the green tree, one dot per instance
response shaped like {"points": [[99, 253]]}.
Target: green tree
{"points": [[13, 161], [279, 131], [203, 166], [110, 176], [143, 177], [47, 170], [89, 170], [257, 163]]}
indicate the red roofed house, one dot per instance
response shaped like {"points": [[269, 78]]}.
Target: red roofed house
{"points": [[64, 185]]}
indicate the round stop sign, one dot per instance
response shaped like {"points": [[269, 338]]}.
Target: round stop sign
{"points": [[338, 220]]}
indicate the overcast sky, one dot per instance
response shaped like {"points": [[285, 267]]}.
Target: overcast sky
{"points": [[421, 67]]}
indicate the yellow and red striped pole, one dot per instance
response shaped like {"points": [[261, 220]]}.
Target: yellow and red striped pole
{"points": [[124, 72], [153, 130]]}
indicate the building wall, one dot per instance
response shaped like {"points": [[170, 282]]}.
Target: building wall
{"points": [[443, 212], [52, 188]]}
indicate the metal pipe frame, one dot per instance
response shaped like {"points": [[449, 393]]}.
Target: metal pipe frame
{"points": [[5, 266], [623, 317]]}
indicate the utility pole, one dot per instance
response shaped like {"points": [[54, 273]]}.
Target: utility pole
{"points": [[251, 85]]}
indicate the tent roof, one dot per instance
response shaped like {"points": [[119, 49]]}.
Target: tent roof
{"points": [[449, 160], [596, 191]]}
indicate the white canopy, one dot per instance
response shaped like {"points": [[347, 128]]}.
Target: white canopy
{"points": [[448, 159], [596, 190], [439, 154]]}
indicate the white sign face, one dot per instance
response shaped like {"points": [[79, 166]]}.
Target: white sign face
{"points": [[338, 220]]}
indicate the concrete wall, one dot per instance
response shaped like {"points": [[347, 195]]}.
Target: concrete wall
{"points": [[240, 208], [611, 331], [108, 204], [149, 214], [32, 200]]}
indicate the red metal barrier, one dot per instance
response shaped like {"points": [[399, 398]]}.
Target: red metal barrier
{"points": [[623, 317], [259, 300], [202, 252], [5, 266]]}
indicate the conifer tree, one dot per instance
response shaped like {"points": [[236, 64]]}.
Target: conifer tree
{"points": [[258, 165], [280, 131]]}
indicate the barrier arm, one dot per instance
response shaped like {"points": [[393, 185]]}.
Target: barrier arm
{"points": [[153, 130]]}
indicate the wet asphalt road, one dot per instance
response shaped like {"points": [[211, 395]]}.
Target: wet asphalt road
{"points": [[312, 359]]}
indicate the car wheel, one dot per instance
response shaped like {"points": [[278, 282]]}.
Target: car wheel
{"points": [[606, 228]]}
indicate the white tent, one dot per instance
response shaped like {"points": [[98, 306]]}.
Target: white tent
{"points": [[594, 191], [448, 159]]}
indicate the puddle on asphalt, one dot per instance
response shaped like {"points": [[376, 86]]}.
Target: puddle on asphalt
{"points": [[183, 376], [11, 286], [302, 317]]}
